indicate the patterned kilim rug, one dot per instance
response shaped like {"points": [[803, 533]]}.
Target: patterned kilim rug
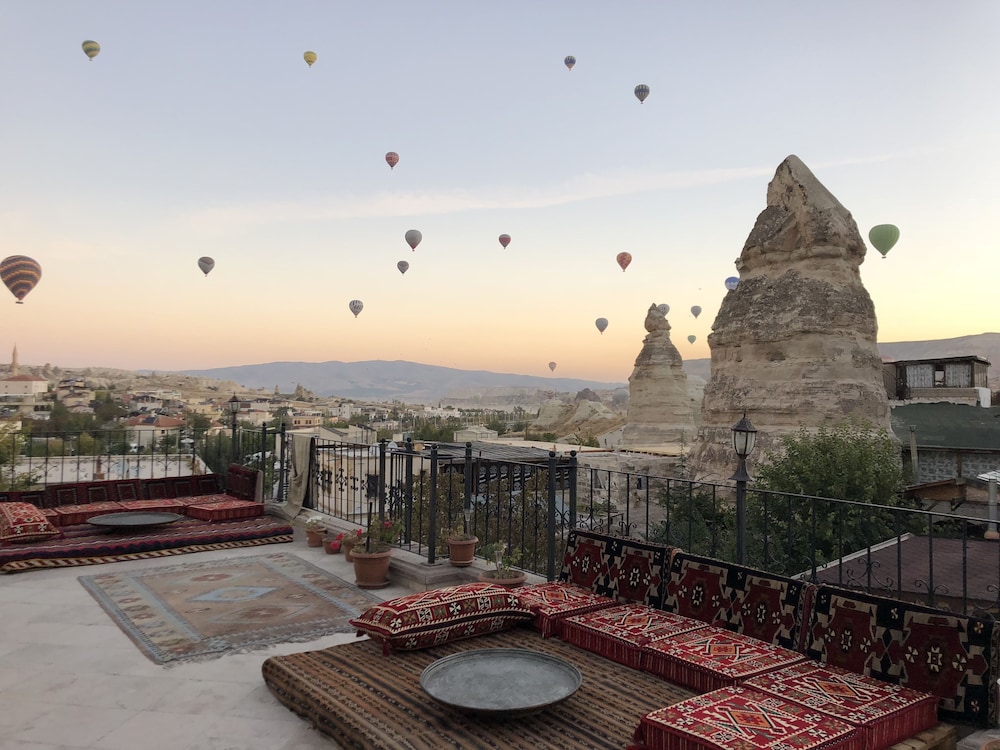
{"points": [[203, 610]]}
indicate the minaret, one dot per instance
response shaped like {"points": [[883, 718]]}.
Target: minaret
{"points": [[13, 362]]}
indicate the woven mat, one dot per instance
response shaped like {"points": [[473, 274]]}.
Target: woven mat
{"points": [[363, 699], [203, 610]]}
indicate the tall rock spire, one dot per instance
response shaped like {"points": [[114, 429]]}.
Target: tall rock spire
{"points": [[13, 361], [795, 343], [660, 412]]}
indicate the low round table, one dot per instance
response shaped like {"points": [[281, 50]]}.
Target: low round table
{"points": [[502, 682], [133, 520]]}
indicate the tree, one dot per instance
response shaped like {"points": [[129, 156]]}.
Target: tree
{"points": [[851, 461]]}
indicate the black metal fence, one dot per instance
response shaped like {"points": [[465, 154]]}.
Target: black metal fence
{"points": [[528, 506]]}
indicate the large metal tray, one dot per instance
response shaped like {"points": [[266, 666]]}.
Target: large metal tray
{"points": [[133, 519], [502, 682]]}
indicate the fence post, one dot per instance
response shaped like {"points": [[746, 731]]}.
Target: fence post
{"points": [[550, 564], [467, 504], [408, 493], [381, 479], [432, 509], [283, 467], [572, 489]]}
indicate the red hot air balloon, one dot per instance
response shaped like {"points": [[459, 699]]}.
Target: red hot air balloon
{"points": [[504, 240], [392, 159], [20, 274], [623, 260]]}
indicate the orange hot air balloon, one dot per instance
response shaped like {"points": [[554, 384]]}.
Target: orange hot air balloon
{"points": [[623, 260], [392, 159], [504, 239], [20, 274]]}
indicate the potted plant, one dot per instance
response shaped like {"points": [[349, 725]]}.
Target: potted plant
{"points": [[372, 553], [315, 531], [348, 542], [461, 544], [504, 559]]}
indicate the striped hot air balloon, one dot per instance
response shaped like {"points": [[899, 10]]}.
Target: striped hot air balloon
{"points": [[20, 274], [91, 49], [641, 92]]}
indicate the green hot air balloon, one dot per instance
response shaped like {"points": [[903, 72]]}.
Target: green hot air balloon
{"points": [[91, 49], [883, 237]]}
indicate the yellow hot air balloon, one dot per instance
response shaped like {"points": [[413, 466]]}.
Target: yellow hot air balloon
{"points": [[91, 49], [310, 58]]}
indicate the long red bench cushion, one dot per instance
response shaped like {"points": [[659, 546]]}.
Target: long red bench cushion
{"points": [[74, 514], [618, 633], [226, 510], [620, 568], [155, 506], [552, 602], [886, 713], [711, 658], [736, 718], [953, 656]]}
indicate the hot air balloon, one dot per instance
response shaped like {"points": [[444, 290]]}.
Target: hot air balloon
{"points": [[691, 338], [696, 310], [403, 266], [91, 49], [623, 260], [206, 264], [552, 366], [569, 61], [392, 159], [20, 274], [356, 306], [309, 57], [413, 238], [504, 240], [641, 92], [601, 324], [883, 237], [664, 308], [732, 282]]}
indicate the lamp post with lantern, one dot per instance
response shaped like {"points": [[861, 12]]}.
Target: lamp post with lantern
{"points": [[744, 440]]}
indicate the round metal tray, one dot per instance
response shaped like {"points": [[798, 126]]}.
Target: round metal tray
{"points": [[133, 519], [503, 682]]}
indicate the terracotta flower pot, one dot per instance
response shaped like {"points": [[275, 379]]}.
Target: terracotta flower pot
{"points": [[371, 569], [332, 546], [462, 551], [511, 582], [314, 538], [348, 548]]}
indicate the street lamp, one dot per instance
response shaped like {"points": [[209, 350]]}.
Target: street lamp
{"points": [[744, 439], [234, 409]]}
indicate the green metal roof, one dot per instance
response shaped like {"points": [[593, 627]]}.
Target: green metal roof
{"points": [[942, 425]]}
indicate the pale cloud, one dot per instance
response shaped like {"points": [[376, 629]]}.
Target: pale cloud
{"points": [[584, 187]]}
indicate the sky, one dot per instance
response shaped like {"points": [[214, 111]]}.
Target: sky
{"points": [[199, 130]]}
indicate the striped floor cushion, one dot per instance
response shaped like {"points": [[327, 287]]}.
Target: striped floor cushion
{"points": [[226, 510], [712, 658], [73, 514], [154, 506], [219, 497], [619, 633], [736, 718], [52, 515], [552, 602], [886, 713]]}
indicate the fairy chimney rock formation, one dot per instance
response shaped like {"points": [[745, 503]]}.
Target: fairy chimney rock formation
{"points": [[660, 413], [794, 345]]}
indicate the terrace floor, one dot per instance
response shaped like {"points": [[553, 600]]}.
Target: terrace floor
{"points": [[70, 678]]}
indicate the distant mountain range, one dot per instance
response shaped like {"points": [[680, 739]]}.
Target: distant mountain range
{"points": [[411, 382]]}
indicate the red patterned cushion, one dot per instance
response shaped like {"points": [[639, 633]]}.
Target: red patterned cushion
{"points": [[73, 514], [713, 658], [226, 510], [24, 522], [552, 602], [441, 615], [886, 713], [154, 506], [583, 561], [618, 633], [740, 719], [219, 497]]}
